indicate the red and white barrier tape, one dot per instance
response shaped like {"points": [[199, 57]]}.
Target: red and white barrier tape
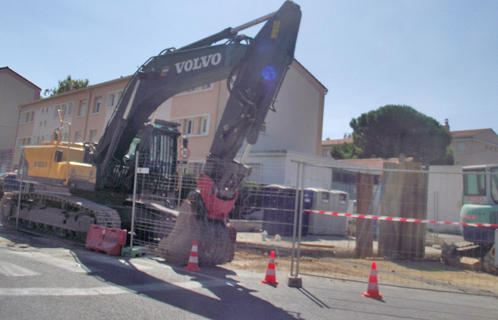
{"points": [[398, 219]]}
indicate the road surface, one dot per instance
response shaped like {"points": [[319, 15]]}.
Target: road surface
{"points": [[42, 278]]}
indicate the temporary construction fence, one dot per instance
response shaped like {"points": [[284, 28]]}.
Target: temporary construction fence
{"points": [[394, 226], [401, 216]]}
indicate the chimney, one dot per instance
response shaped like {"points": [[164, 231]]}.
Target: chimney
{"points": [[446, 125]]}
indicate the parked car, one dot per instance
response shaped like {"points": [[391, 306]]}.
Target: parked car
{"points": [[9, 183]]}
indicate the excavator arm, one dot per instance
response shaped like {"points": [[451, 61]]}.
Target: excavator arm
{"points": [[255, 72], [258, 79], [159, 79], [255, 69]]}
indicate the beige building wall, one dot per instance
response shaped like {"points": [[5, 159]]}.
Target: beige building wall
{"points": [[14, 91], [473, 147], [198, 113], [86, 109], [296, 126]]}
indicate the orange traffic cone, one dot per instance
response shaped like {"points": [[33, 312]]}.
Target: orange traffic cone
{"points": [[193, 261], [373, 288], [270, 277]]}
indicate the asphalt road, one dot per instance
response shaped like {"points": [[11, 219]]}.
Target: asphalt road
{"points": [[48, 279]]}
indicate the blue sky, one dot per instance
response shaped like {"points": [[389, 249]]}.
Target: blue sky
{"points": [[437, 56]]}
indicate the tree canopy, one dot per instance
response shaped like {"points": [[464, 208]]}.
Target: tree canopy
{"points": [[393, 130], [345, 151], [66, 85]]}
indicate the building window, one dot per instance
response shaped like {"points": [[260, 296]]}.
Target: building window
{"points": [[195, 167], [93, 136], [21, 142], [113, 98], [64, 136], [195, 126], [96, 105], [27, 117], [189, 126], [82, 109], [204, 125], [461, 147], [66, 108], [78, 136], [69, 110], [199, 89]]}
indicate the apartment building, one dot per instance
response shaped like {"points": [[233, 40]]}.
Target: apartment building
{"points": [[296, 125], [86, 109], [15, 90], [473, 147]]}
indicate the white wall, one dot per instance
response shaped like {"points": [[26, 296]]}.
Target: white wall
{"points": [[293, 125], [281, 167], [444, 198]]}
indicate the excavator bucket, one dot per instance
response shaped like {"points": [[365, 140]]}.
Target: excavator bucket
{"points": [[215, 239]]}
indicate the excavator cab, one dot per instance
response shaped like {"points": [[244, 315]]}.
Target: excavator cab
{"points": [[157, 150], [480, 202], [480, 206], [156, 146]]}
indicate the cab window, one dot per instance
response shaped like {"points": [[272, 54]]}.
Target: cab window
{"points": [[494, 184], [474, 183]]}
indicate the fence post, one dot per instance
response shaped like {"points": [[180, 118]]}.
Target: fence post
{"points": [[294, 280], [294, 229], [132, 227], [21, 171]]}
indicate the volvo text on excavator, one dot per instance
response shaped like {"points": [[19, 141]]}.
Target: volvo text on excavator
{"points": [[100, 175]]}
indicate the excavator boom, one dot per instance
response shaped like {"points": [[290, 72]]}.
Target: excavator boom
{"points": [[258, 69], [103, 172]]}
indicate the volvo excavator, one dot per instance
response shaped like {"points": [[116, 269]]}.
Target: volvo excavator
{"points": [[100, 175]]}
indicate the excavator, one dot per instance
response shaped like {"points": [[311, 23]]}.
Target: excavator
{"points": [[99, 176], [479, 206]]}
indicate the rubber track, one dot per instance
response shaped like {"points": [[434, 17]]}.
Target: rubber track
{"points": [[104, 216]]}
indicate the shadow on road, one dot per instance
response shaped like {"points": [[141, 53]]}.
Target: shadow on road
{"points": [[229, 299]]}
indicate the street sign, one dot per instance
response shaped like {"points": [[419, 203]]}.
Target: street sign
{"points": [[184, 153], [143, 170]]}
